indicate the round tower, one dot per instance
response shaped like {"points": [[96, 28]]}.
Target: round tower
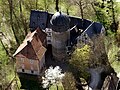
{"points": [[60, 35]]}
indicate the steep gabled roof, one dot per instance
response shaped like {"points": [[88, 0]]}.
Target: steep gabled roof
{"points": [[29, 38], [41, 52]]}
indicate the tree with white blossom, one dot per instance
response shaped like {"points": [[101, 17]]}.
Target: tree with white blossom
{"points": [[52, 76]]}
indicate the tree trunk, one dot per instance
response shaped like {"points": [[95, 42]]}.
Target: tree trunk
{"points": [[46, 6], [114, 24], [11, 20], [79, 3], [7, 53], [18, 24], [23, 21], [36, 4], [95, 11], [67, 11], [57, 3], [81, 9]]}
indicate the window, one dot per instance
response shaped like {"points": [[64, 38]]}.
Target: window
{"points": [[49, 40], [49, 33], [86, 36], [31, 61], [32, 71], [23, 70], [31, 67], [22, 60], [22, 65]]}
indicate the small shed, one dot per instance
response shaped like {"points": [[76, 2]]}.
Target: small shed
{"points": [[30, 55]]}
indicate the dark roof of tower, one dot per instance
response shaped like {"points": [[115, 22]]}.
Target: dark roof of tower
{"points": [[60, 22]]}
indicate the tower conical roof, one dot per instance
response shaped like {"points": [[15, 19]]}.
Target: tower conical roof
{"points": [[60, 22]]}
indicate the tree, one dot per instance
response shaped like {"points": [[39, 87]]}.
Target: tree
{"points": [[52, 76], [69, 82], [57, 7], [92, 60], [11, 19], [105, 9], [84, 8], [80, 60]]}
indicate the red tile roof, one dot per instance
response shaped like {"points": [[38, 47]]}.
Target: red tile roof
{"points": [[29, 38]]}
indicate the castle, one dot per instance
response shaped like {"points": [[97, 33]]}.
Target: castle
{"points": [[60, 31]]}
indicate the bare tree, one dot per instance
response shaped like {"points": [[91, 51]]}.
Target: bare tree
{"points": [[10, 2], [23, 18]]}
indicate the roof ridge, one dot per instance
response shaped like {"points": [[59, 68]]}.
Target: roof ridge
{"points": [[29, 38]]}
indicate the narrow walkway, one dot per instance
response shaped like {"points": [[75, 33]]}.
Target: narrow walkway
{"points": [[95, 77]]}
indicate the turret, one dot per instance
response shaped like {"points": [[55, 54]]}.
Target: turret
{"points": [[60, 35]]}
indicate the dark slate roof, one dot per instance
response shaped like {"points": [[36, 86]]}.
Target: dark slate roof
{"points": [[94, 29], [42, 19], [80, 23], [38, 19], [98, 27], [60, 22], [90, 31]]}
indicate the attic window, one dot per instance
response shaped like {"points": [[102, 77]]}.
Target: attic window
{"points": [[31, 61]]}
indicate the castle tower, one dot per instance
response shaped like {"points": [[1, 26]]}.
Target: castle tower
{"points": [[60, 35]]}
